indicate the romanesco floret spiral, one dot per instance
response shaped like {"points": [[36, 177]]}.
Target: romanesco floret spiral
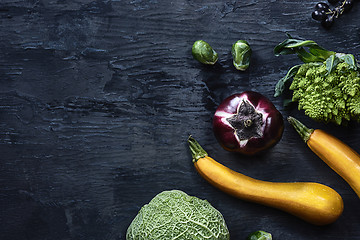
{"points": [[354, 105], [327, 97]]}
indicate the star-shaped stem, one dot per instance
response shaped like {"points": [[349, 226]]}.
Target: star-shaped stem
{"points": [[247, 122]]}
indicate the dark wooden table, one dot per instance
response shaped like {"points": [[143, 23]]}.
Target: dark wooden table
{"points": [[98, 98]]}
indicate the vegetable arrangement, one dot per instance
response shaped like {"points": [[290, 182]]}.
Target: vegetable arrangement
{"points": [[312, 202], [339, 156], [326, 86], [247, 123]]}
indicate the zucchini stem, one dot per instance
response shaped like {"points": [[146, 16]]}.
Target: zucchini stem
{"points": [[300, 128], [197, 151]]}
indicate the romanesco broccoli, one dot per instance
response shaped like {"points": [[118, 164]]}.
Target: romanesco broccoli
{"points": [[327, 97], [327, 84]]}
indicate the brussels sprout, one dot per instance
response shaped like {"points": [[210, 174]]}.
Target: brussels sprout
{"points": [[241, 53], [204, 53], [259, 235]]}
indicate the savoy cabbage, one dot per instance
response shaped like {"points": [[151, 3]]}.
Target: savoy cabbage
{"points": [[174, 215]]}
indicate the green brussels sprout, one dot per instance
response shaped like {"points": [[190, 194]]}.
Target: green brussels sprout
{"points": [[259, 235], [204, 53], [241, 53]]}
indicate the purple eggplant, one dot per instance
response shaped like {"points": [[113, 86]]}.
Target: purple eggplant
{"points": [[247, 123]]}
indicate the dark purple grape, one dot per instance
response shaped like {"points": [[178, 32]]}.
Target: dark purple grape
{"points": [[348, 4], [322, 6], [328, 21], [327, 16], [318, 15]]}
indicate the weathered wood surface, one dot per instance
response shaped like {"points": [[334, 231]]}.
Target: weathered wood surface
{"points": [[98, 98]]}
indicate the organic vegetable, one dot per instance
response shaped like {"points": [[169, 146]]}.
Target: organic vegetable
{"points": [[326, 86], [241, 53], [259, 235], [204, 53], [247, 123], [339, 156], [312, 202], [176, 215], [326, 15]]}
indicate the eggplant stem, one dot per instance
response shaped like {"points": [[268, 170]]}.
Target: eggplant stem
{"points": [[300, 128], [197, 151], [248, 123]]}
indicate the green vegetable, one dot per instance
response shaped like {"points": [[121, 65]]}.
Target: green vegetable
{"points": [[326, 86], [259, 235], [315, 53], [204, 53], [241, 53], [176, 215], [328, 97]]}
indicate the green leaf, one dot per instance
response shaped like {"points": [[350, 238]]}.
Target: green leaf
{"points": [[283, 51], [281, 48], [315, 53], [331, 63], [280, 86], [307, 57], [320, 52], [287, 103], [296, 43], [350, 59]]}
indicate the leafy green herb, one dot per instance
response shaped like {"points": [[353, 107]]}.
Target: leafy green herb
{"points": [[315, 53]]}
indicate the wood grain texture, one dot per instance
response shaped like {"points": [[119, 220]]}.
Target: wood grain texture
{"points": [[98, 98]]}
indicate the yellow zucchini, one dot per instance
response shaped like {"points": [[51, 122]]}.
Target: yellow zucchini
{"points": [[335, 153], [313, 202]]}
